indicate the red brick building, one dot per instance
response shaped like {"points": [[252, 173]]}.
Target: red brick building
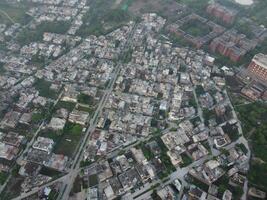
{"points": [[225, 14], [258, 66], [232, 45]]}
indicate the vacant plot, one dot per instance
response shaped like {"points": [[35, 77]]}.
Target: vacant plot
{"points": [[103, 17], [195, 5], [55, 136], [86, 99], [11, 14], [165, 8], [66, 141], [27, 36], [3, 177], [43, 87], [13, 187], [67, 105], [88, 109], [49, 172], [70, 139]]}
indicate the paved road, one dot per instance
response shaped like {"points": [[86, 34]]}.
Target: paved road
{"points": [[30, 143], [35, 190], [241, 140], [4, 13], [93, 122], [74, 171], [245, 190], [181, 172]]}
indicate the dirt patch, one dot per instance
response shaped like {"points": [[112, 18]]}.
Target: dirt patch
{"points": [[13, 188], [116, 4]]}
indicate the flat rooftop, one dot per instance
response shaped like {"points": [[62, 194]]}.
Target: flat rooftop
{"points": [[260, 59]]}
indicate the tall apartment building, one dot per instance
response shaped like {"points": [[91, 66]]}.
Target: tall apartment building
{"points": [[225, 14], [258, 66]]}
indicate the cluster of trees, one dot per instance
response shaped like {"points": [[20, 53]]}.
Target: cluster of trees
{"points": [[2, 69], [43, 87], [258, 12], [3, 177], [116, 15], [85, 99], [254, 121], [101, 19], [195, 5], [27, 36]]}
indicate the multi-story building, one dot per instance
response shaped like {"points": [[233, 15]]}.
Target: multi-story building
{"points": [[225, 14], [258, 66], [232, 45]]}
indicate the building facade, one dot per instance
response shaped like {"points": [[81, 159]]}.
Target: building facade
{"points": [[258, 66]]}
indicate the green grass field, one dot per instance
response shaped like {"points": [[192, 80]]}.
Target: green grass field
{"points": [[10, 13], [196, 28], [67, 140], [70, 139]]}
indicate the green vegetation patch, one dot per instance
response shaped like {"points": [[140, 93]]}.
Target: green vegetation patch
{"points": [[196, 28], [116, 15], [200, 90], [86, 99], [10, 13], [85, 163], [165, 159], [77, 185], [100, 19], [93, 180], [179, 41], [70, 139], [257, 175], [37, 118], [147, 153], [208, 114], [223, 184], [43, 87], [254, 121], [27, 36], [254, 116], [55, 136], [88, 109], [242, 147], [66, 141], [126, 4], [231, 131], [258, 12], [65, 104], [199, 184], [3, 177], [195, 5], [186, 160], [2, 69], [53, 194], [49, 172]]}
